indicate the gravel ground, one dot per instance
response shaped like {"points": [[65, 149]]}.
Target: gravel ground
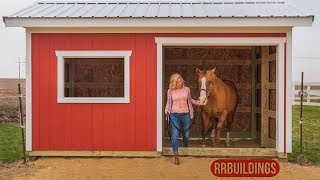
{"points": [[134, 168]]}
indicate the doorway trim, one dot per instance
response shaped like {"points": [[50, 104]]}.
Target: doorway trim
{"points": [[280, 42]]}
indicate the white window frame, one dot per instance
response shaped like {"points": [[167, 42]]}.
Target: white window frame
{"points": [[61, 55]]}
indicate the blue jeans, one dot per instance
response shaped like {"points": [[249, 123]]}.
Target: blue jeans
{"points": [[184, 120]]}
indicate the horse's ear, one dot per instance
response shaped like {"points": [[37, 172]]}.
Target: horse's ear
{"points": [[213, 70], [198, 71]]}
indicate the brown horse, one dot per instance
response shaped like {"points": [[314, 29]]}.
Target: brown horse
{"points": [[220, 102]]}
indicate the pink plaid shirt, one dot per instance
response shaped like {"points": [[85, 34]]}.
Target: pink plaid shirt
{"points": [[180, 97]]}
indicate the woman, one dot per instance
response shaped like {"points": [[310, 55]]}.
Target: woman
{"points": [[179, 107]]}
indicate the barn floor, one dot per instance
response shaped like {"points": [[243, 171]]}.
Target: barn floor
{"points": [[238, 143], [239, 148]]}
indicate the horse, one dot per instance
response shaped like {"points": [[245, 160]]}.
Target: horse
{"points": [[220, 101]]}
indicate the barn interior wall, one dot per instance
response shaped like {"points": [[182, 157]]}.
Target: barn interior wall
{"points": [[232, 63], [241, 65]]}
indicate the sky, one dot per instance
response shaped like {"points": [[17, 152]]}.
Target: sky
{"points": [[306, 41]]}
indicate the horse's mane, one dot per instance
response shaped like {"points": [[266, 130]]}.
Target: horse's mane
{"points": [[231, 83]]}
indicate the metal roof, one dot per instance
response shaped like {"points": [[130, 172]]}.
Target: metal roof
{"points": [[160, 9]]}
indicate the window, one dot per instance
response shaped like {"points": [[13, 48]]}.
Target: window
{"points": [[93, 76]]}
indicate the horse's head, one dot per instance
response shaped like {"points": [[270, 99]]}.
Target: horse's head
{"points": [[206, 80]]}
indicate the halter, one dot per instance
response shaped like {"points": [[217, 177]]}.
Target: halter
{"points": [[207, 92], [203, 90]]}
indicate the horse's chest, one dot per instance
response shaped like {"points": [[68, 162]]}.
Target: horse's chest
{"points": [[212, 111]]}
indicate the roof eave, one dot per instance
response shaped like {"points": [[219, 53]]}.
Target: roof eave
{"points": [[159, 22]]}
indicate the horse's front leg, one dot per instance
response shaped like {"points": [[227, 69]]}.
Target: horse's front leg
{"points": [[205, 126], [214, 126], [221, 120]]}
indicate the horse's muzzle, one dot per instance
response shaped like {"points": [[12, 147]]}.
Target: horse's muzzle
{"points": [[203, 100]]}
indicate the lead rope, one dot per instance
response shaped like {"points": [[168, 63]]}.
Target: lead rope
{"points": [[169, 122]]}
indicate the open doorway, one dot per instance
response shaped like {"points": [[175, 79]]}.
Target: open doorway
{"points": [[251, 68]]}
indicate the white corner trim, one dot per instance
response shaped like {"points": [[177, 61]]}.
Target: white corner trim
{"points": [[280, 99], [28, 93], [217, 41], [61, 55], [159, 97], [289, 92]]}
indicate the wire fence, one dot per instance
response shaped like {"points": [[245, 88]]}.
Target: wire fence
{"points": [[9, 106], [306, 122], [312, 90], [10, 126]]}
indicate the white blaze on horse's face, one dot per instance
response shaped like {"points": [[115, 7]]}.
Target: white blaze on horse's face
{"points": [[203, 92]]}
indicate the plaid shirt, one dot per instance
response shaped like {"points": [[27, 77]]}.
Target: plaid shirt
{"points": [[190, 102]]}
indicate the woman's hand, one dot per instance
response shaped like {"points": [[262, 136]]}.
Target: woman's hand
{"points": [[167, 112], [200, 103]]}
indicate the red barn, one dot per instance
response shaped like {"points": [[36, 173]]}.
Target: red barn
{"points": [[97, 72]]}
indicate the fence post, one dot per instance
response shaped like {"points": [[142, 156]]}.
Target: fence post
{"points": [[22, 125], [301, 93]]}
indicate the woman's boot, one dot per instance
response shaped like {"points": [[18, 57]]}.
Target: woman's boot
{"points": [[176, 158]]}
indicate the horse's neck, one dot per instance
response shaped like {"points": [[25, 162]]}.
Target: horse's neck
{"points": [[215, 88]]}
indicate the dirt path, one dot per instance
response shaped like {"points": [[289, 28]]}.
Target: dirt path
{"points": [[133, 168]]}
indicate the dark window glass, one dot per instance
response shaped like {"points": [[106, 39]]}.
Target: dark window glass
{"points": [[94, 77]]}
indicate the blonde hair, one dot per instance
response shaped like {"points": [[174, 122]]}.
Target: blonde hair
{"points": [[173, 80]]}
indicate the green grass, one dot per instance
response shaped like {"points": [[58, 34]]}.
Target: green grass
{"points": [[10, 143], [311, 134]]}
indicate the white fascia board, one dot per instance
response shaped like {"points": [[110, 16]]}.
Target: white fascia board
{"points": [[159, 22], [159, 30]]}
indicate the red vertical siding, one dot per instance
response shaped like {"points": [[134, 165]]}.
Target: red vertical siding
{"points": [[98, 126], [141, 95], [151, 91], [44, 82], [53, 122]]}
